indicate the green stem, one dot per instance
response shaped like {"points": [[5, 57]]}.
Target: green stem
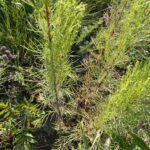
{"points": [[47, 13]]}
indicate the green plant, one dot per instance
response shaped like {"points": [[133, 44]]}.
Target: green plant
{"points": [[128, 106], [134, 87], [114, 43], [18, 121], [96, 92], [139, 141], [121, 34], [59, 26], [18, 28]]}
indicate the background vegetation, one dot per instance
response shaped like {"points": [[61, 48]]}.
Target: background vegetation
{"points": [[75, 74]]}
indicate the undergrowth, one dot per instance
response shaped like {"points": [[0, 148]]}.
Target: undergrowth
{"points": [[74, 74]]}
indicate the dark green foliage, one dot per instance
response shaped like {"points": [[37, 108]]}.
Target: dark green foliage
{"points": [[17, 122], [139, 142]]}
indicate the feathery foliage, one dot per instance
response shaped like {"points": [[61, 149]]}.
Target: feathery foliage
{"points": [[60, 27], [122, 33], [134, 87], [87, 61]]}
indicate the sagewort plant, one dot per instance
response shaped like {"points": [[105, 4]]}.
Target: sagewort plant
{"points": [[127, 26], [135, 83], [59, 23], [134, 87]]}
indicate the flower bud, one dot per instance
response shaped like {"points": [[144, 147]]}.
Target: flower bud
{"points": [[10, 56], [7, 51], [5, 57], [106, 18], [1, 65], [110, 8], [3, 48]]}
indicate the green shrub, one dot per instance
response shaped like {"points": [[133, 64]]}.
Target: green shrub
{"points": [[134, 86], [59, 24], [125, 28], [128, 106]]}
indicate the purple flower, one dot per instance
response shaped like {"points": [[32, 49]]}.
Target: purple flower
{"points": [[5, 57], [1, 65], [3, 48], [10, 56], [105, 19], [110, 8]]}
